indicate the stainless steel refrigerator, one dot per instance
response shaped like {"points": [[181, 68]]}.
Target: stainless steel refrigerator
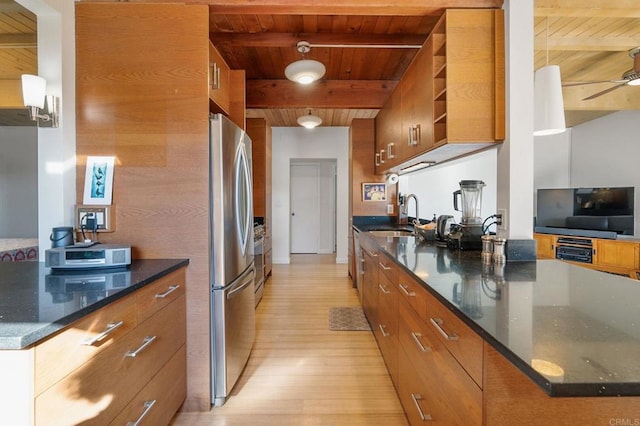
{"points": [[231, 254]]}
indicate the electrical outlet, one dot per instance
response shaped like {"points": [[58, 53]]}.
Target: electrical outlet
{"points": [[501, 220], [101, 215], [390, 208]]}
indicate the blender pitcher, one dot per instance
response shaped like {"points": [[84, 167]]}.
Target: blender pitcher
{"points": [[471, 194]]}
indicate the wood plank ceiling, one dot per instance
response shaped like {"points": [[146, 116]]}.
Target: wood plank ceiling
{"points": [[588, 39]]}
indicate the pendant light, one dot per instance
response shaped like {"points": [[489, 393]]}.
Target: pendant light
{"points": [[309, 121], [304, 71], [547, 97]]}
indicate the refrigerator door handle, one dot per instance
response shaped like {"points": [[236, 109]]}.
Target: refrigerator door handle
{"points": [[243, 282], [243, 196]]}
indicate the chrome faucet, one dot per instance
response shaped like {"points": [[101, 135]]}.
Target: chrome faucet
{"points": [[403, 217]]}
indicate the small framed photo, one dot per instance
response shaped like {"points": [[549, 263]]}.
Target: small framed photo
{"points": [[374, 192], [98, 181]]}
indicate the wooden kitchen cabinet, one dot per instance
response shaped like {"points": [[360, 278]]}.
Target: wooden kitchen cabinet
{"points": [[545, 246], [260, 133], [219, 81], [468, 73], [370, 272], [616, 256], [452, 95], [386, 327], [417, 104], [71, 380], [388, 133], [620, 257], [432, 375]]}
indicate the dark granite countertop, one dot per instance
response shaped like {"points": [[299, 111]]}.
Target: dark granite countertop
{"points": [[546, 312], [36, 302]]}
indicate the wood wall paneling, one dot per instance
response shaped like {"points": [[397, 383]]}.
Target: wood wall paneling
{"points": [[142, 72], [362, 146]]}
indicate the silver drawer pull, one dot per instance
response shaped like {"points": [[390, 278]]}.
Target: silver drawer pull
{"points": [[403, 287], [416, 338], [383, 266], [147, 407], [382, 327], [146, 342], [437, 323], [171, 289], [417, 397], [111, 327], [384, 290]]}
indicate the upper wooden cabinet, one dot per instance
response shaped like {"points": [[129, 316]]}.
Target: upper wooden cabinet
{"points": [[219, 81], [451, 99]]}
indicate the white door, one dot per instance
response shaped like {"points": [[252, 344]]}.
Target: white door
{"points": [[304, 208]]}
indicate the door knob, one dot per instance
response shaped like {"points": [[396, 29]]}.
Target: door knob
{"points": [[293, 214]]}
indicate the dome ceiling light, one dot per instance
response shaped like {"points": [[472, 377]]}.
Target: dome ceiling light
{"points": [[309, 121], [304, 71]]}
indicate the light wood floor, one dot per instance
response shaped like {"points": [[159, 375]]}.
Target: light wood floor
{"points": [[301, 373]]}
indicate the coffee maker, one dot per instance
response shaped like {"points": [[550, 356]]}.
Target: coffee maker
{"points": [[467, 235]]}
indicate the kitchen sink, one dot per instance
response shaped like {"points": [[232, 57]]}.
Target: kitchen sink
{"points": [[390, 233]]}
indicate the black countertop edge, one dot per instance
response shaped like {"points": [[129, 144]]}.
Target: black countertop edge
{"points": [[551, 389], [30, 339]]}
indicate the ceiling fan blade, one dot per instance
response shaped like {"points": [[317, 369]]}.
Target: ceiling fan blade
{"points": [[610, 89], [593, 82]]}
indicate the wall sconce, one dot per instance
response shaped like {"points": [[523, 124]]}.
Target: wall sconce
{"points": [[34, 97]]}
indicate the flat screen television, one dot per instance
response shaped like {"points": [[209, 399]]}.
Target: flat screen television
{"points": [[594, 209]]}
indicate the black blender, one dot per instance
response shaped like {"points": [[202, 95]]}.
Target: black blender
{"points": [[467, 235]]}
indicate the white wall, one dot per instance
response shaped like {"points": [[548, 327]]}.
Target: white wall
{"points": [[552, 160], [56, 147], [18, 182], [606, 152], [434, 186], [298, 143]]}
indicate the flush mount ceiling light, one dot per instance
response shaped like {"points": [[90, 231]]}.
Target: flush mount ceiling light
{"points": [[304, 71], [309, 121]]}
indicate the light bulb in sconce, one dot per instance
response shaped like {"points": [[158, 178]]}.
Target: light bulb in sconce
{"points": [[34, 96]]}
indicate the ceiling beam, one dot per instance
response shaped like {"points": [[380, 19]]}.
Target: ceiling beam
{"points": [[624, 98], [18, 41], [342, 7], [587, 8], [587, 43], [291, 39], [367, 94], [11, 91]]}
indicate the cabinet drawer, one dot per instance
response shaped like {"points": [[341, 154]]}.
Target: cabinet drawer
{"points": [[68, 350], [386, 329], [98, 390], [163, 291], [388, 268], [448, 394], [387, 306], [413, 293], [162, 396], [414, 393], [462, 342]]}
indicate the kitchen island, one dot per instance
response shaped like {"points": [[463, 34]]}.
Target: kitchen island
{"points": [[93, 344], [547, 341]]}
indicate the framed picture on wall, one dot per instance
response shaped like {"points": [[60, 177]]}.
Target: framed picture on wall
{"points": [[98, 180], [374, 192]]}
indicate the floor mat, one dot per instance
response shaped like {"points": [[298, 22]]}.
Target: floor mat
{"points": [[348, 319]]}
